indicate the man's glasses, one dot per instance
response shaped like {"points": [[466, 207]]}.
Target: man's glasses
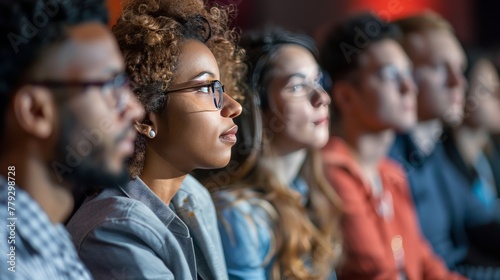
{"points": [[110, 88], [393, 74], [214, 87]]}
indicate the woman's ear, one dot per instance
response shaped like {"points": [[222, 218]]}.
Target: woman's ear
{"points": [[149, 126]]}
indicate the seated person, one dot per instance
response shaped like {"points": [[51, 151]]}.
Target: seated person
{"points": [[373, 95], [161, 225], [281, 219], [449, 214]]}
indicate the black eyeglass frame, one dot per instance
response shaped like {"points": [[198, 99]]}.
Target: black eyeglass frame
{"points": [[199, 84], [119, 80]]}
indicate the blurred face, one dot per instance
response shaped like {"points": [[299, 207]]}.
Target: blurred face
{"points": [[95, 134], [385, 93], [192, 132], [439, 64], [297, 116], [482, 104]]}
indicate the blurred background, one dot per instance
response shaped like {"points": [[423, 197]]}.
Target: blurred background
{"points": [[476, 22]]}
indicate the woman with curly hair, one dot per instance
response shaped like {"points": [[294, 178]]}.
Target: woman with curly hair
{"points": [[280, 220], [162, 224]]}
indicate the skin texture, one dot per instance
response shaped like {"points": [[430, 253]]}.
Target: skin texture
{"points": [[481, 112], [298, 113], [439, 64], [376, 100], [482, 106], [189, 131], [44, 123]]}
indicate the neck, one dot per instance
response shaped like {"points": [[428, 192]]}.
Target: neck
{"points": [[34, 176], [286, 166], [426, 134], [369, 148], [161, 177], [470, 142]]}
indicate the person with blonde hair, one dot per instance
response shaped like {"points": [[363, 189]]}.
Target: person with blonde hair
{"points": [[185, 69], [449, 213]]}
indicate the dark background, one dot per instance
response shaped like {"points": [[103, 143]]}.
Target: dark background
{"points": [[477, 22]]}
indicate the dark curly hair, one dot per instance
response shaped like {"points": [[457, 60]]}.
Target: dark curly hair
{"points": [[27, 27], [150, 34]]}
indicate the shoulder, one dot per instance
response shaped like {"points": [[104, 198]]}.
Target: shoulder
{"points": [[246, 228], [242, 220], [230, 204], [118, 215]]}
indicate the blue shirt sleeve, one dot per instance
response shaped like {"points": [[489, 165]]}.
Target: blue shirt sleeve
{"points": [[246, 235]]}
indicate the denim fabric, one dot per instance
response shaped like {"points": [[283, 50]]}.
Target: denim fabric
{"points": [[129, 232], [195, 207], [246, 230], [246, 235]]}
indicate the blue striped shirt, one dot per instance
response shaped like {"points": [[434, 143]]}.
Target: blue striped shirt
{"points": [[31, 247]]}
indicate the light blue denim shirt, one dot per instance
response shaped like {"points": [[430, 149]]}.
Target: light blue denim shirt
{"points": [[129, 232], [246, 231]]}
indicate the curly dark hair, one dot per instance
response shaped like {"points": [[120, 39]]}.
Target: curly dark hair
{"points": [[150, 34], [27, 28]]}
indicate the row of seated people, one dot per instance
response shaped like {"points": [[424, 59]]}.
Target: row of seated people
{"points": [[259, 158]]}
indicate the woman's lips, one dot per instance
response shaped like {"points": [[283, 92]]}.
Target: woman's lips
{"points": [[230, 135], [321, 121]]}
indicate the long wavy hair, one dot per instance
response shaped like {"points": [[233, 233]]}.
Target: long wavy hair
{"points": [[307, 239], [150, 34]]}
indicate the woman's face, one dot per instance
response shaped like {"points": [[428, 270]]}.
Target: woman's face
{"points": [[192, 132], [297, 116], [482, 104]]}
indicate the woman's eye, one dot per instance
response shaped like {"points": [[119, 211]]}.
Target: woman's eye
{"points": [[204, 89], [297, 87]]}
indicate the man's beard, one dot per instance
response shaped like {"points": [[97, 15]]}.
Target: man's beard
{"points": [[92, 172]]}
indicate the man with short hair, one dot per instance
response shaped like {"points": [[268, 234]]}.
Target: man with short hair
{"points": [[447, 209], [373, 95], [66, 115]]}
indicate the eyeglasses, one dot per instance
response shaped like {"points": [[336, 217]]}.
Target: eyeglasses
{"points": [[110, 88], [215, 87], [393, 74]]}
